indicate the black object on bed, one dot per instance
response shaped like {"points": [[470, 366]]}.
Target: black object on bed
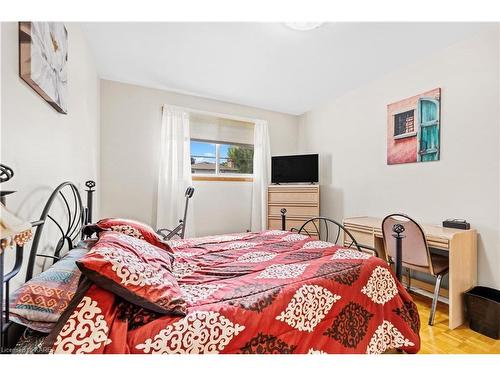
{"points": [[180, 229], [69, 227]]}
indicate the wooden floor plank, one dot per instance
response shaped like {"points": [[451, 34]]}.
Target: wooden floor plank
{"points": [[439, 339]]}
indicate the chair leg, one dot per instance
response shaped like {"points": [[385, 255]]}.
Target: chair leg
{"points": [[435, 299]]}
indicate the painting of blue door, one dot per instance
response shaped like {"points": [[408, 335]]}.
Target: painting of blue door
{"points": [[428, 132]]}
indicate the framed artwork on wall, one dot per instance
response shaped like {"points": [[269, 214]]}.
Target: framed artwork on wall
{"points": [[43, 60], [413, 129]]}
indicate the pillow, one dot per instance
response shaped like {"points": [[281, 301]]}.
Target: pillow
{"points": [[134, 229], [136, 271], [39, 303]]}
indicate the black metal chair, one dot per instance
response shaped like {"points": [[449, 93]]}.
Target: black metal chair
{"points": [[180, 229], [326, 229]]}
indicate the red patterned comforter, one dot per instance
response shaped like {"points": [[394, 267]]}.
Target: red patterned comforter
{"points": [[269, 292]]}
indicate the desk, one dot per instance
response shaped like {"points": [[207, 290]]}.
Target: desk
{"points": [[462, 252]]}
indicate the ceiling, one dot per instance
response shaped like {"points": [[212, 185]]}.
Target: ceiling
{"points": [[264, 65]]}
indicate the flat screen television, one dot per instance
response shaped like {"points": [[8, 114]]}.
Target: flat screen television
{"points": [[294, 168]]}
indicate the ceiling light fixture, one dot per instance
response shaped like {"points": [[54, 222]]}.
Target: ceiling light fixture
{"points": [[303, 26]]}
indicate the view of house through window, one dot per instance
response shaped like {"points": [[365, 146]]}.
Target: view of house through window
{"points": [[217, 158]]}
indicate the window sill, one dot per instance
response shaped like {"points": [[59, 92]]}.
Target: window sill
{"points": [[223, 178], [405, 135]]}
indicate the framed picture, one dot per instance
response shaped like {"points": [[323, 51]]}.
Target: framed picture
{"points": [[413, 128], [43, 60]]}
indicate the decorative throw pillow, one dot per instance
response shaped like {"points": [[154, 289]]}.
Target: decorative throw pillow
{"points": [[136, 271], [134, 229], [39, 303]]}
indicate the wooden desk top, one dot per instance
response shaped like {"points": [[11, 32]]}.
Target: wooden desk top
{"points": [[431, 231]]}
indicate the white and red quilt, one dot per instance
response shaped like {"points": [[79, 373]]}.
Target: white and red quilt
{"points": [[268, 292]]}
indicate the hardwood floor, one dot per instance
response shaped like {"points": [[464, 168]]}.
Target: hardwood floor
{"points": [[438, 339]]}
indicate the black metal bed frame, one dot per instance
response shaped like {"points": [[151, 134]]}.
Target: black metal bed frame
{"points": [[77, 216], [397, 229], [320, 222]]}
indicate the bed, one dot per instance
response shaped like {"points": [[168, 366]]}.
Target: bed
{"points": [[251, 293], [269, 292]]}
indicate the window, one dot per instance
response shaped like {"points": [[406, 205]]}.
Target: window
{"points": [[221, 148], [220, 158], [404, 124]]}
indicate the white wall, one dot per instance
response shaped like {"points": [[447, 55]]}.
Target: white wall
{"points": [[44, 147], [222, 207], [350, 133], [131, 124]]}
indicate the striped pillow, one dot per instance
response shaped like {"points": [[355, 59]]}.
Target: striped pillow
{"points": [[39, 303]]}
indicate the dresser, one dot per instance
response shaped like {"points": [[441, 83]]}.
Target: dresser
{"points": [[301, 203]]}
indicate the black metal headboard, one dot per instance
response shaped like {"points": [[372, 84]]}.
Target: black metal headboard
{"points": [[69, 225]]}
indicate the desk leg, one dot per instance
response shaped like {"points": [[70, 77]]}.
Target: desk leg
{"points": [[463, 274]]}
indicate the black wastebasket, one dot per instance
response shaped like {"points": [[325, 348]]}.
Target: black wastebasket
{"points": [[483, 308]]}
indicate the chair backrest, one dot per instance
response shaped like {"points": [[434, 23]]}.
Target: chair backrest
{"points": [[415, 250]]}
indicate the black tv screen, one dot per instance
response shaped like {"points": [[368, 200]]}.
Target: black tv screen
{"points": [[294, 168]]}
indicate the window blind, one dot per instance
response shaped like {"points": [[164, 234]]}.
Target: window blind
{"points": [[221, 130]]}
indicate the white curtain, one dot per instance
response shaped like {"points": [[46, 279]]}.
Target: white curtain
{"points": [[261, 175], [175, 171]]}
